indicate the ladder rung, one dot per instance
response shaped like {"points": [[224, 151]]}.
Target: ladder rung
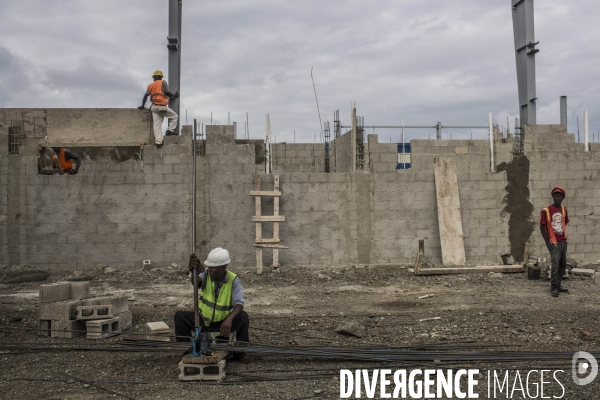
{"points": [[265, 193], [266, 241], [269, 218]]}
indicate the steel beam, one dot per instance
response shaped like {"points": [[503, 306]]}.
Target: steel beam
{"points": [[174, 46], [523, 29]]}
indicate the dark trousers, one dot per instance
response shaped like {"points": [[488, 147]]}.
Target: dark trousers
{"points": [[558, 257], [184, 325]]}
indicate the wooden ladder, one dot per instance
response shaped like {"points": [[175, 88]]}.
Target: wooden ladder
{"points": [[259, 242]]}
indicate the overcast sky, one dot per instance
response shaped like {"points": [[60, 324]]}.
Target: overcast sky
{"points": [[421, 60]]}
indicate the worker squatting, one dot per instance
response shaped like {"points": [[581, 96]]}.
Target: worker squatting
{"points": [[449, 384]]}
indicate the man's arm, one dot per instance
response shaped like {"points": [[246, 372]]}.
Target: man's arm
{"points": [[73, 156], [165, 88], [545, 236], [144, 101], [228, 322]]}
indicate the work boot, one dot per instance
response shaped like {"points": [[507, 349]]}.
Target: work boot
{"points": [[159, 145], [170, 133], [563, 290], [241, 357], [555, 292]]}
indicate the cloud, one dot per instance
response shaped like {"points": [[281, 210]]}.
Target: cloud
{"points": [[421, 60]]}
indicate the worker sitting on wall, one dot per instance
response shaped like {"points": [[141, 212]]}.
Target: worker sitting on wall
{"points": [[221, 302], [63, 160], [159, 96]]}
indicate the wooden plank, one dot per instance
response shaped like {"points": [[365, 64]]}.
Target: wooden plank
{"points": [[269, 218], [265, 241], [270, 246], [275, 258], [259, 264], [420, 253], [265, 193], [526, 254], [449, 217], [467, 270]]}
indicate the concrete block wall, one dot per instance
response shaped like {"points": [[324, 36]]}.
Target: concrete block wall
{"points": [[126, 204], [131, 203], [341, 153], [298, 157], [556, 160], [380, 157]]}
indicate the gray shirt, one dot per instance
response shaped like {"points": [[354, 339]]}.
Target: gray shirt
{"points": [[237, 296]]}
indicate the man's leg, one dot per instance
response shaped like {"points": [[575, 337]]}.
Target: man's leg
{"points": [[157, 119], [240, 325], [562, 264], [184, 324], [172, 115], [555, 274]]}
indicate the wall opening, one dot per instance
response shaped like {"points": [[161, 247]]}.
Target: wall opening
{"points": [[13, 139]]}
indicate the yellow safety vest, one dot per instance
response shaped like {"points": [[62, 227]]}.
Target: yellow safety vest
{"points": [[212, 310]]}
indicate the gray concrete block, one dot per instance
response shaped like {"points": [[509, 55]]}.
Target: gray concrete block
{"points": [[59, 310], [119, 303], [80, 290], [55, 291], [202, 372], [104, 311], [100, 329], [68, 329], [45, 327], [126, 319]]}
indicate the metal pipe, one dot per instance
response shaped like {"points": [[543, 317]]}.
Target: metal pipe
{"points": [[492, 166], [586, 133], [196, 311]]}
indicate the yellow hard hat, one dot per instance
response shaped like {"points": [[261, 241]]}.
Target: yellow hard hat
{"points": [[158, 72]]}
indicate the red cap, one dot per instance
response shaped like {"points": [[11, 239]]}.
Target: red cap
{"points": [[558, 189]]}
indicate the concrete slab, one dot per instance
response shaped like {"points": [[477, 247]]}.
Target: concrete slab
{"points": [[59, 310], [158, 327], [126, 319], [80, 290], [55, 292]]}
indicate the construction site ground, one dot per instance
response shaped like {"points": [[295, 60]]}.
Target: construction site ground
{"points": [[298, 306]]}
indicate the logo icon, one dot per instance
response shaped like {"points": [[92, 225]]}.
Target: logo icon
{"points": [[584, 363]]}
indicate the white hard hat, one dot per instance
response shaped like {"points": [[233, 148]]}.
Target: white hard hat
{"points": [[217, 257]]}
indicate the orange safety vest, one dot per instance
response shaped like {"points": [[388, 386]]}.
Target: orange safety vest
{"points": [[549, 228], [156, 94], [65, 164]]}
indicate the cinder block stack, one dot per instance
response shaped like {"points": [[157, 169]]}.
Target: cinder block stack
{"points": [[67, 311]]}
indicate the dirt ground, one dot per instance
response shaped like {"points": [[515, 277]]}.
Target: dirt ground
{"points": [[299, 306]]}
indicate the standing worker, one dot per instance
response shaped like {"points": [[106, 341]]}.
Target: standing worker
{"points": [[553, 224], [221, 303], [63, 160], [159, 96]]}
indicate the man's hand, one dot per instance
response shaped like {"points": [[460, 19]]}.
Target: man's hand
{"points": [[141, 107], [194, 263], [226, 326], [550, 246], [176, 95]]}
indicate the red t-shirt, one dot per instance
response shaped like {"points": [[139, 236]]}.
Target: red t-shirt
{"points": [[556, 219]]}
